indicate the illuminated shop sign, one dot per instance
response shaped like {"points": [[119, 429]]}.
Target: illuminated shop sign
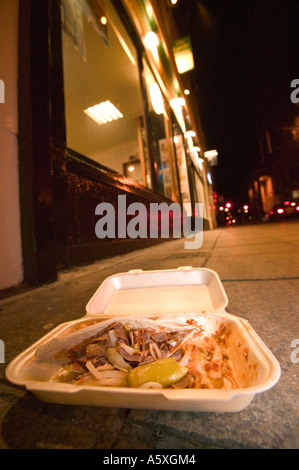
{"points": [[183, 54]]}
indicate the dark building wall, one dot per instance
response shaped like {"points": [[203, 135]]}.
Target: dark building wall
{"points": [[81, 186]]}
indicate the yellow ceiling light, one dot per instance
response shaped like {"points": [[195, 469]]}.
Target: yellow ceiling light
{"points": [[189, 134], [156, 98], [211, 153], [103, 112], [177, 102], [177, 106], [151, 40]]}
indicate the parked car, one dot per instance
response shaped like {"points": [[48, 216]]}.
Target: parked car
{"points": [[285, 210]]}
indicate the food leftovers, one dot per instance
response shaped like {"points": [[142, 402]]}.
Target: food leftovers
{"points": [[143, 354]]}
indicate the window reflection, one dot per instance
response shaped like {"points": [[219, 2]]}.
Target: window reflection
{"points": [[100, 66]]}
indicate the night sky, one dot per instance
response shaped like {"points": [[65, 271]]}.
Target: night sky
{"points": [[246, 55]]}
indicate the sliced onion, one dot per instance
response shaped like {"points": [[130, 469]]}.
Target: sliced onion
{"points": [[96, 373], [131, 334], [155, 351], [117, 360], [105, 367], [185, 359], [113, 338], [128, 349], [110, 381], [151, 385], [107, 377]]}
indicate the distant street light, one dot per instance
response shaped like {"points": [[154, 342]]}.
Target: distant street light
{"points": [[212, 157]]}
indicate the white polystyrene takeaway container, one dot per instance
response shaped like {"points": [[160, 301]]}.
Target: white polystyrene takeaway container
{"points": [[180, 293]]}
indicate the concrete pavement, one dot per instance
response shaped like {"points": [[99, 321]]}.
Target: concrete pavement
{"points": [[259, 268]]}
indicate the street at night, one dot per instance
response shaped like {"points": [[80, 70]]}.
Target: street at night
{"points": [[149, 229], [258, 266]]}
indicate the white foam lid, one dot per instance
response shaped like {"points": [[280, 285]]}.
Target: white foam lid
{"points": [[141, 293]]}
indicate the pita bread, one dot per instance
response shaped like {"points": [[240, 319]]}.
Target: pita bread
{"points": [[49, 352]]}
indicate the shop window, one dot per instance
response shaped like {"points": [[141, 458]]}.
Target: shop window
{"points": [[132, 169], [159, 143], [103, 100]]}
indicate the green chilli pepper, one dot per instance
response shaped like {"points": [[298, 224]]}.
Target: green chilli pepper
{"points": [[164, 371]]}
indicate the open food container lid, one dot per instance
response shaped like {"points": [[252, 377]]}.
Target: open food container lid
{"points": [[173, 291]]}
